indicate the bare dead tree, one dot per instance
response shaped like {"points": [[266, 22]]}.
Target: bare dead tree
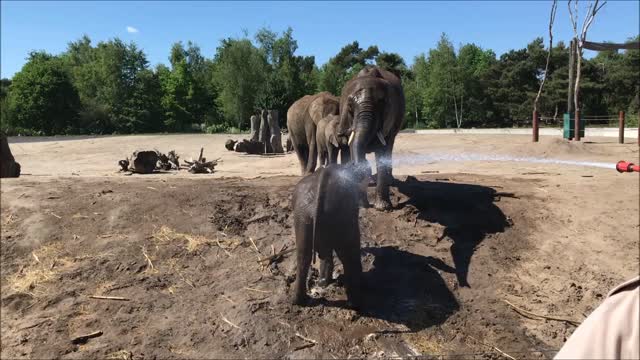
{"points": [[592, 10], [552, 19]]}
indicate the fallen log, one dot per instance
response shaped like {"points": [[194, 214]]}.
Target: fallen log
{"points": [[168, 162], [143, 161], [201, 166], [249, 147], [229, 144]]}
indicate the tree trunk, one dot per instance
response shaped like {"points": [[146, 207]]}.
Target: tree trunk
{"points": [[552, 17]]}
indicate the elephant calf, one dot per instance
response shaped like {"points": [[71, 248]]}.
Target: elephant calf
{"points": [[325, 209]]}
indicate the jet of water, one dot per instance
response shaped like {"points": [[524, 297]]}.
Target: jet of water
{"points": [[420, 159]]}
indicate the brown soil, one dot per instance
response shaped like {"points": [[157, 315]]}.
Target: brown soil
{"points": [[437, 269]]}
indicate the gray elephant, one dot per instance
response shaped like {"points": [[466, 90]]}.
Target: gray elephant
{"points": [[330, 143], [321, 141], [325, 217], [302, 119], [371, 114], [8, 165]]}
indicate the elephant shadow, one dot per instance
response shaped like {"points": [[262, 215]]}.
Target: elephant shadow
{"points": [[404, 288], [401, 287], [467, 212]]}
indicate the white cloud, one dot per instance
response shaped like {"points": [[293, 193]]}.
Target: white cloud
{"points": [[131, 29]]}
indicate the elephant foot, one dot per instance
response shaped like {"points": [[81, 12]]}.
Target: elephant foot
{"points": [[373, 180], [300, 299], [354, 303], [382, 205]]}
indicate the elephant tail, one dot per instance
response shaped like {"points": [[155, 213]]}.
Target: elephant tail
{"points": [[320, 196]]}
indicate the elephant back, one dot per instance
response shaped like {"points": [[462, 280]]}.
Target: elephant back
{"points": [[323, 104]]}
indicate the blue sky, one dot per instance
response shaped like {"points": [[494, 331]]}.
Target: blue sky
{"points": [[321, 28]]}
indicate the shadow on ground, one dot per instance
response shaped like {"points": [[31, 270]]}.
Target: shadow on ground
{"points": [[467, 212], [401, 288], [404, 288]]}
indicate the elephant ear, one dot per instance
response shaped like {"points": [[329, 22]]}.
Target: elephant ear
{"points": [[346, 116], [333, 140], [393, 117]]}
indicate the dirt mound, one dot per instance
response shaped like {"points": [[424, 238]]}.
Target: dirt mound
{"points": [[188, 280]]}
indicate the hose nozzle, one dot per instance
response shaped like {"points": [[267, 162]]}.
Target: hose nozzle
{"points": [[624, 166]]}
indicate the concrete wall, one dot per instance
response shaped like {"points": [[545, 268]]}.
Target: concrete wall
{"points": [[629, 133]]}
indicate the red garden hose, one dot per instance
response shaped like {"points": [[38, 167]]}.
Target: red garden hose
{"points": [[623, 166]]}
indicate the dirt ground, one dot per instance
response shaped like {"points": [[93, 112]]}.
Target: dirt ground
{"points": [[464, 238]]}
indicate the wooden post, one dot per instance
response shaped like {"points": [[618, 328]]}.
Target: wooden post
{"points": [[576, 134], [621, 128], [535, 126]]}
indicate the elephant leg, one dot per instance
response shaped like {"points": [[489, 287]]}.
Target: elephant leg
{"points": [[349, 255], [383, 169], [303, 155], [323, 158], [326, 268], [312, 158], [304, 234], [345, 155], [333, 155]]}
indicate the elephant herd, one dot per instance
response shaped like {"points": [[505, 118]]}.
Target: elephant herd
{"points": [[365, 118]]}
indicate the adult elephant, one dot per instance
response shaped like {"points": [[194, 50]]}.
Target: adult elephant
{"points": [[372, 114], [302, 120]]}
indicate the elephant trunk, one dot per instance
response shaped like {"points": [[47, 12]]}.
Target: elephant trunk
{"points": [[364, 131]]}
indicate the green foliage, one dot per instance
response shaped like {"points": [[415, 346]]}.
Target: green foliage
{"points": [[342, 67], [288, 77], [42, 97], [109, 87]]}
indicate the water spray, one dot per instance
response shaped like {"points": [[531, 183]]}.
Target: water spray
{"points": [[624, 166]]}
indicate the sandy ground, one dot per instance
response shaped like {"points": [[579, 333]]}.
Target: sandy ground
{"points": [[183, 250]]}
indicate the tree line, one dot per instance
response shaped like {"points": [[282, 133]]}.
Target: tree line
{"points": [[110, 87]]}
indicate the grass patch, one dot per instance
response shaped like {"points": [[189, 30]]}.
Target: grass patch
{"points": [[192, 242], [45, 263]]}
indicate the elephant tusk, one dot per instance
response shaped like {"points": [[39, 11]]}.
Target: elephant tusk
{"points": [[381, 138], [353, 134]]}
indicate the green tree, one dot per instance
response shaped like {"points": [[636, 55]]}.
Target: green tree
{"points": [[239, 73], [392, 62], [114, 86], [513, 83], [42, 97], [188, 92], [288, 76], [342, 67], [5, 115], [473, 64], [442, 90]]}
